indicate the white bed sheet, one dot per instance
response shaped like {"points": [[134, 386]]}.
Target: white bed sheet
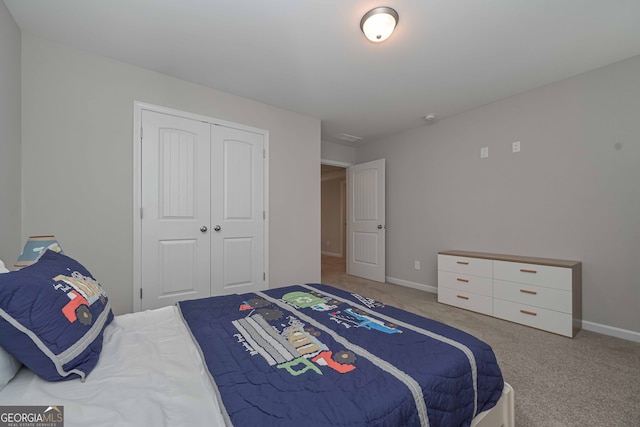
{"points": [[149, 374]]}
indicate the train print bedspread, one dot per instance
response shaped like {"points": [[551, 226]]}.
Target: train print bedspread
{"points": [[313, 355]]}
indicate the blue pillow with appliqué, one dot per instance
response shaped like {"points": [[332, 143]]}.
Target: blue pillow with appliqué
{"points": [[8, 364], [52, 317]]}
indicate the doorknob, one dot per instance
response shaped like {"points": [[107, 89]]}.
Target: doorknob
{"points": [[380, 226], [203, 229], [217, 228]]}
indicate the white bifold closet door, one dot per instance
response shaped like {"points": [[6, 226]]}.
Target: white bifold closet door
{"points": [[202, 226]]}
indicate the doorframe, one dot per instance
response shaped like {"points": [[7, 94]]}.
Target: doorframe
{"points": [[343, 218], [138, 107]]}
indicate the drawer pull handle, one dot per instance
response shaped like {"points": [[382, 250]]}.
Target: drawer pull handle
{"points": [[462, 297], [526, 291], [530, 313], [462, 262], [462, 280], [524, 270]]}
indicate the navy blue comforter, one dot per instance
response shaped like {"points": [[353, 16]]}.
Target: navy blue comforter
{"points": [[313, 355]]}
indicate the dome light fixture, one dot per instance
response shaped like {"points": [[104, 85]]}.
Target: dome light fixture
{"points": [[378, 24]]}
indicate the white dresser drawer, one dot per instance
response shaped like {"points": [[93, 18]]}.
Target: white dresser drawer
{"points": [[465, 282], [465, 265], [534, 274], [538, 296], [548, 320], [467, 300]]}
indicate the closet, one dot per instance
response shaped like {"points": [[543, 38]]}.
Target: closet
{"points": [[202, 208]]}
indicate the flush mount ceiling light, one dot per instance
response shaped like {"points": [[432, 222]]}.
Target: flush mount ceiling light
{"points": [[378, 24]]}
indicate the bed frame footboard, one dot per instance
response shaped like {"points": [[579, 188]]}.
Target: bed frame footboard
{"points": [[501, 415]]}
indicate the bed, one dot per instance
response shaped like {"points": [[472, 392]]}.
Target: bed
{"points": [[306, 355]]}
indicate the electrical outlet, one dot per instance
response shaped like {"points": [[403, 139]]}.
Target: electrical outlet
{"points": [[515, 147], [484, 152], [416, 265]]}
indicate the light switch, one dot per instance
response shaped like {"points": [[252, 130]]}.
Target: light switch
{"points": [[484, 152]]}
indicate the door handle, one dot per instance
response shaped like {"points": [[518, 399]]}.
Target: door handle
{"points": [[217, 228], [380, 226], [203, 228]]}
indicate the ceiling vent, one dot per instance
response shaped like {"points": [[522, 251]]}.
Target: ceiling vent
{"points": [[348, 138]]}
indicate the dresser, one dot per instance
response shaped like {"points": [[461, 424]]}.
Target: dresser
{"points": [[539, 292]]}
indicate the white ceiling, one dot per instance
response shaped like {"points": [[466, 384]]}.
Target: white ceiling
{"points": [[310, 56]]}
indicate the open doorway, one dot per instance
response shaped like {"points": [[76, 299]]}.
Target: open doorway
{"points": [[333, 220], [356, 241]]}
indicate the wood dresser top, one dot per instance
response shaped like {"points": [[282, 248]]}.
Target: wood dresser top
{"points": [[514, 258]]}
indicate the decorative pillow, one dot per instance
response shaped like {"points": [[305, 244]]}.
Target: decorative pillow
{"points": [[52, 317], [8, 364]]}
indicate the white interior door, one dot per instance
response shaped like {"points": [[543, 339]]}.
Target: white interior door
{"points": [[175, 188], [237, 211], [366, 220]]}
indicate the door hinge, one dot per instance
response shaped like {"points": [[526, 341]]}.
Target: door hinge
{"points": [[140, 293], [264, 277], [140, 133], [141, 213], [264, 214], [264, 154]]}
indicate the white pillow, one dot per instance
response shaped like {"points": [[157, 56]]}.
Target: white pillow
{"points": [[8, 364]]}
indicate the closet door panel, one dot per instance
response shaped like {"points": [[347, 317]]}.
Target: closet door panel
{"points": [[175, 206], [237, 206]]}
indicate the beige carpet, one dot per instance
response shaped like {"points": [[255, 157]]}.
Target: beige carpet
{"points": [[591, 380]]}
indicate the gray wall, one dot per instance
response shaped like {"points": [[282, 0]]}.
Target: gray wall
{"points": [[338, 152], [573, 192], [78, 161], [10, 180]]}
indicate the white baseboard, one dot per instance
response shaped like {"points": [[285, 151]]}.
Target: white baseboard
{"points": [[414, 285], [625, 334], [331, 254]]}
